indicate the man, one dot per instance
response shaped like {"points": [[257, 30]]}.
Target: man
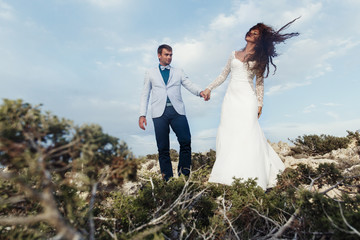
{"points": [[167, 108]]}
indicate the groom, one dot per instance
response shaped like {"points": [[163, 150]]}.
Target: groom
{"points": [[168, 110]]}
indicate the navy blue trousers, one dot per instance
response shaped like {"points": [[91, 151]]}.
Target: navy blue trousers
{"points": [[180, 126]]}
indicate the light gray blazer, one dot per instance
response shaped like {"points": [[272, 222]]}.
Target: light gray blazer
{"points": [[155, 85]]}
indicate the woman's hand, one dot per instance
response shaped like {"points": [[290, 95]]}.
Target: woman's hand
{"points": [[206, 94], [259, 111]]}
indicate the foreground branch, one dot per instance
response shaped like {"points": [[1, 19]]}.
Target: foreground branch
{"points": [[28, 220]]}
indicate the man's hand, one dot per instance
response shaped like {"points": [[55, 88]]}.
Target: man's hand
{"points": [[142, 121], [205, 94], [259, 111]]}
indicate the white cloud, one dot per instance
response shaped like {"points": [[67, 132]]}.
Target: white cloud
{"points": [[330, 104], [6, 11], [143, 144], [307, 13], [333, 115], [284, 87], [346, 44], [283, 131], [206, 134], [106, 3], [111, 104], [150, 45], [247, 12], [189, 52], [222, 22], [309, 108]]}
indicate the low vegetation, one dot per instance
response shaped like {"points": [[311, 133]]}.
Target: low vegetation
{"points": [[65, 182], [319, 145]]}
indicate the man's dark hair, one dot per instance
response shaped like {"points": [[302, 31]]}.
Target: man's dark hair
{"points": [[161, 47]]}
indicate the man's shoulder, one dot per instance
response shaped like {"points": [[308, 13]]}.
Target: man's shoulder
{"points": [[177, 69], [151, 71]]}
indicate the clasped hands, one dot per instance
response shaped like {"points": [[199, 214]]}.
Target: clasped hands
{"points": [[205, 94]]}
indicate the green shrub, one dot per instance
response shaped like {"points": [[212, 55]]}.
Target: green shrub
{"points": [[182, 208], [51, 168], [354, 136], [318, 145]]}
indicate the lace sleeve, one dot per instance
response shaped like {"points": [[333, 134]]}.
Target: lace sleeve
{"points": [[260, 90], [223, 75]]}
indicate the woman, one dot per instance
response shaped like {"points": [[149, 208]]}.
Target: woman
{"points": [[242, 150]]}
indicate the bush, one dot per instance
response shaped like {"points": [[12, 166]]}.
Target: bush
{"points": [[52, 170], [354, 136], [75, 173], [318, 145], [201, 210]]}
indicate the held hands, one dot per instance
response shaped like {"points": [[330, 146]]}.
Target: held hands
{"points": [[142, 122], [206, 94]]}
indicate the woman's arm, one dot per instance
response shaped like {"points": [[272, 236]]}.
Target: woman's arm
{"points": [[223, 75], [260, 93], [219, 80]]}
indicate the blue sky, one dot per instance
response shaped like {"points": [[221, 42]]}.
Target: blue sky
{"points": [[85, 61]]}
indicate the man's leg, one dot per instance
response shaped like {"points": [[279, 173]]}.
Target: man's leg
{"points": [[180, 126], [162, 130]]}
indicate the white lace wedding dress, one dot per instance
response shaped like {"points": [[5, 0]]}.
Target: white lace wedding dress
{"points": [[242, 150]]}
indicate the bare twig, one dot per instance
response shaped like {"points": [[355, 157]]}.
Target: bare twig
{"points": [[55, 151], [227, 219], [108, 219], [333, 223], [354, 231], [112, 235], [266, 218], [152, 186], [338, 183], [28, 220], [142, 235], [91, 215], [12, 200], [281, 231], [184, 197]]}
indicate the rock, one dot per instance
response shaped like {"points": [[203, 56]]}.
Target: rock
{"points": [[342, 153], [281, 148], [130, 188], [292, 162]]}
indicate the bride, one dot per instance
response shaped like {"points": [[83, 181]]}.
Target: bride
{"points": [[242, 150]]}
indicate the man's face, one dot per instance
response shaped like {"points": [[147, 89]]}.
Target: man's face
{"points": [[165, 57]]}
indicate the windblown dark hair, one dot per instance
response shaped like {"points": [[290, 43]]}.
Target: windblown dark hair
{"points": [[265, 47]]}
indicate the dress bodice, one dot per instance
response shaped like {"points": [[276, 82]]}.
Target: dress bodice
{"points": [[240, 73]]}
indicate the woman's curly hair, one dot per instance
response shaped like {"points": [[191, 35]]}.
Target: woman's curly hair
{"points": [[265, 47]]}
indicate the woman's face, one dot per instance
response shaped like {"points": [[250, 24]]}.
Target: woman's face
{"points": [[252, 35]]}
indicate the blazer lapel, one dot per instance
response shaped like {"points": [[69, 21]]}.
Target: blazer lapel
{"points": [[170, 75], [160, 76]]}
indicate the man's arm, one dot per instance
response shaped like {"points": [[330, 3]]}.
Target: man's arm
{"points": [[193, 88], [144, 102]]}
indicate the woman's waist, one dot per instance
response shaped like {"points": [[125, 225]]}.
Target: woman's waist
{"points": [[241, 84]]}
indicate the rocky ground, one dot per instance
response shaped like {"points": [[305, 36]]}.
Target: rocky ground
{"points": [[346, 159], [342, 157]]}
